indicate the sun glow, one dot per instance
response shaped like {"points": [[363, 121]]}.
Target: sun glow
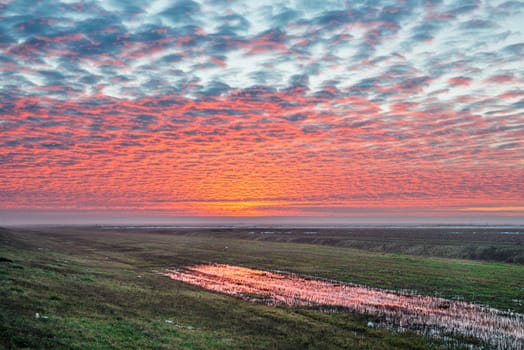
{"points": [[240, 208]]}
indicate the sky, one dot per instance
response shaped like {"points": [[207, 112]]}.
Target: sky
{"points": [[262, 108]]}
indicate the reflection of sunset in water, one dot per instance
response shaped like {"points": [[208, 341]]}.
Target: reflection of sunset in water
{"points": [[400, 311]]}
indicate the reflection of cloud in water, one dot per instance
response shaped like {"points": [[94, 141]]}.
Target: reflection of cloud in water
{"points": [[394, 310]]}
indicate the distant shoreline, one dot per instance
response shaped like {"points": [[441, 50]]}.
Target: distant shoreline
{"points": [[268, 226]]}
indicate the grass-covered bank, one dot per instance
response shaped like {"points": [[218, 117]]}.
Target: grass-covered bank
{"points": [[100, 289]]}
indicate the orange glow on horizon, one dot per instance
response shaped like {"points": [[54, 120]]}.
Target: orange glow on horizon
{"points": [[494, 209]]}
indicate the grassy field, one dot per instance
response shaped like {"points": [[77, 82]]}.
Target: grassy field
{"points": [[462, 243], [102, 289]]}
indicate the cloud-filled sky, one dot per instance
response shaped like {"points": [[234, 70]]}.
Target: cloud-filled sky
{"points": [[263, 107]]}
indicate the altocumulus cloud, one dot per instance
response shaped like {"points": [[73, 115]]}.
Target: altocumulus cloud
{"points": [[252, 107]]}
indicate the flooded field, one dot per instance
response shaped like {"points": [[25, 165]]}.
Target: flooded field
{"points": [[400, 311]]}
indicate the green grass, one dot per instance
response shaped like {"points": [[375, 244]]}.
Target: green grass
{"points": [[101, 289]]}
